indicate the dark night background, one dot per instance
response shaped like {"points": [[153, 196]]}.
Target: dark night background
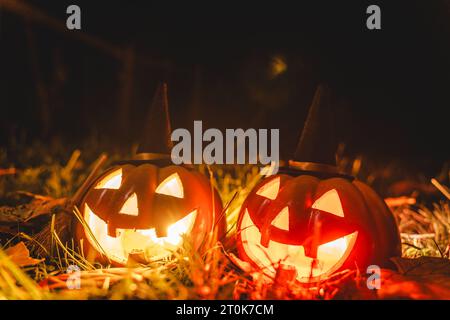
{"points": [[393, 83]]}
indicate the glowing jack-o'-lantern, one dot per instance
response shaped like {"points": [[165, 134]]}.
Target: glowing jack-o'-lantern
{"points": [[145, 211], [144, 207], [311, 219], [315, 226]]}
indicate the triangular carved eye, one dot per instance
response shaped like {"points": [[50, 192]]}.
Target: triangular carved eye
{"points": [[270, 189], [281, 221], [130, 207], [111, 181], [330, 202], [171, 186]]}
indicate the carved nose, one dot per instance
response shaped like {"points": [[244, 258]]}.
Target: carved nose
{"points": [[161, 231], [324, 227]]}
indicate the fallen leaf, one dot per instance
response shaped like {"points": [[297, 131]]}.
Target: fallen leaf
{"points": [[398, 286], [421, 278], [20, 255], [37, 207], [423, 266]]}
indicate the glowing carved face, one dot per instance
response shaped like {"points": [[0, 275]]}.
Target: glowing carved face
{"points": [[283, 223], [145, 211]]}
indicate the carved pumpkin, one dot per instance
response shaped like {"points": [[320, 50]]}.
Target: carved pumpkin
{"points": [[311, 219], [317, 226], [143, 207], [145, 211]]}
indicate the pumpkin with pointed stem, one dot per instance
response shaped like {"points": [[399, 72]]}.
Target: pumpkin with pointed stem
{"points": [[311, 220], [145, 208], [316, 226], [144, 211]]}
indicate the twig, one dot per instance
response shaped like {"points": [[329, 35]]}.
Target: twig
{"points": [[418, 236], [36, 15], [412, 246], [72, 161], [400, 201], [9, 171], [439, 249], [441, 188]]}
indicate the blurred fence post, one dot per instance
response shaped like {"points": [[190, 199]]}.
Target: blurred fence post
{"points": [[126, 91]]}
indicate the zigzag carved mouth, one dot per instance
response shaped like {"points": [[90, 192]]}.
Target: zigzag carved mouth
{"points": [[330, 256], [136, 241]]}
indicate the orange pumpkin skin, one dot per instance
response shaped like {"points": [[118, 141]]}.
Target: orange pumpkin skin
{"points": [[364, 212], [154, 210]]}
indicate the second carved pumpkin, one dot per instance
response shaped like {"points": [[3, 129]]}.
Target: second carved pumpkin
{"points": [[312, 220], [316, 226]]}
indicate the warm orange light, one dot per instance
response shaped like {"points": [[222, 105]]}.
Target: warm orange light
{"points": [[130, 241], [270, 189], [111, 181], [171, 186], [330, 256], [329, 202], [281, 221], [130, 207], [278, 66]]}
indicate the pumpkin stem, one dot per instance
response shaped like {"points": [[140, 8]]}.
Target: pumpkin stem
{"points": [[318, 143], [155, 140]]}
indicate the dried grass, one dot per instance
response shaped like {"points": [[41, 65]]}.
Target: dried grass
{"points": [[188, 274]]}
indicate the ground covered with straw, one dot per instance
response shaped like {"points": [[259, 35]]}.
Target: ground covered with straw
{"points": [[38, 183]]}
